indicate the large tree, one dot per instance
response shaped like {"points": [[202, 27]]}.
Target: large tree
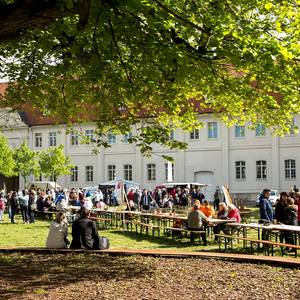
{"points": [[117, 61]]}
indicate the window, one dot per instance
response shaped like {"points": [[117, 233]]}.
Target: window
{"points": [[240, 170], [74, 174], [293, 126], [89, 134], [52, 139], [261, 169], [260, 130], [290, 168], [171, 170], [111, 171], [74, 138], [126, 137], [151, 172], [112, 138], [89, 173], [212, 128], [38, 138], [239, 131], [195, 134], [128, 172]]}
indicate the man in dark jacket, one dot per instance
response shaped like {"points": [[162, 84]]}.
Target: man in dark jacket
{"points": [[84, 232]]}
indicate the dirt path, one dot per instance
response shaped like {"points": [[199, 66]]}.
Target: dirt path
{"points": [[79, 276]]}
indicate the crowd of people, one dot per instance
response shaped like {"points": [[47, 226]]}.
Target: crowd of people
{"points": [[287, 211], [32, 201]]}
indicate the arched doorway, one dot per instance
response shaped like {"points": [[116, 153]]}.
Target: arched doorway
{"points": [[206, 177]]}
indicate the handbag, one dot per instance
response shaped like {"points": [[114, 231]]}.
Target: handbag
{"points": [[104, 242]]}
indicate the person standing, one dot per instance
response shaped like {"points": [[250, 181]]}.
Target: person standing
{"points": [[2, 206], [217, 198], [23, 202], [266, 211], [290, 218], [145, 200], [14, 204]]}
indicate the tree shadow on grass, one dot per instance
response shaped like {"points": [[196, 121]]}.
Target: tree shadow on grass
{"points": [[40, 272]]}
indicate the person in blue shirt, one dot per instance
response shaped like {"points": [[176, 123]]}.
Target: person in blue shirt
{"points": [[266, 211]]}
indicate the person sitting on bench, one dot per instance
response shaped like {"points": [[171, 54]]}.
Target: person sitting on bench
{"points": [[58, 232], [84, 232], [195, 223]]}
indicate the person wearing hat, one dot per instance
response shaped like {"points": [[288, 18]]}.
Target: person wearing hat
{"points": [[266, 211]]}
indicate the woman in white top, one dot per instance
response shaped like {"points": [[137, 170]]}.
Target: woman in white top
{"points": [[58, 232]]}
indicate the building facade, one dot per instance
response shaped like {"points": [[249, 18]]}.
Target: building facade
{"points": [[245, 160]]}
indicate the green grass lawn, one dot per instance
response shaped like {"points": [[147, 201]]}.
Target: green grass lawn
{"points": [[35, 235]]}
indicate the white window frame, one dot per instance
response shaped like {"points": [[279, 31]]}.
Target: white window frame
{"points": [[166, 172], [111, 172], [52, 139], [74, 138], [290, 169], [151, 172], [89, 173], [239, 131], [212, 130], [261, 169], [195, 134], [38, 140], [126, 136], [240, 170], [128, 172], [89, 134], [260, 130], [74, 174], [112, 138]]}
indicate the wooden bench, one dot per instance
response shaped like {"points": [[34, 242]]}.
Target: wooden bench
{"points": [[258, 242], [148, 226], [173, 230], [106, 221]]}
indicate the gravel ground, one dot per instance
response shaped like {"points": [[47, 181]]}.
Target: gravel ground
{"points": [[79, 276]]}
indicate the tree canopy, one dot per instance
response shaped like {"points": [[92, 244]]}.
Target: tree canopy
{"points": [[26, 162], [117, 61], [54, 162]]}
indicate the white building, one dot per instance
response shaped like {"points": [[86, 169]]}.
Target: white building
{"points": [[245, 160]]}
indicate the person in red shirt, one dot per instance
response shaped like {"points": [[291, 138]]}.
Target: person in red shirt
{"points": [[233, 213]]}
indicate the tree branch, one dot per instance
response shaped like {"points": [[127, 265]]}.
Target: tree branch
{"points": [[179, 17], [118, 50]]}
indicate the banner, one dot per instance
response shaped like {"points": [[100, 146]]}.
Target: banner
{"points": [[119, 191], [227, 197]]}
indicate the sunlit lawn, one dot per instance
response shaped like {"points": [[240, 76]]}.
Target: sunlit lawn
{"points": [[35, 235]]}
